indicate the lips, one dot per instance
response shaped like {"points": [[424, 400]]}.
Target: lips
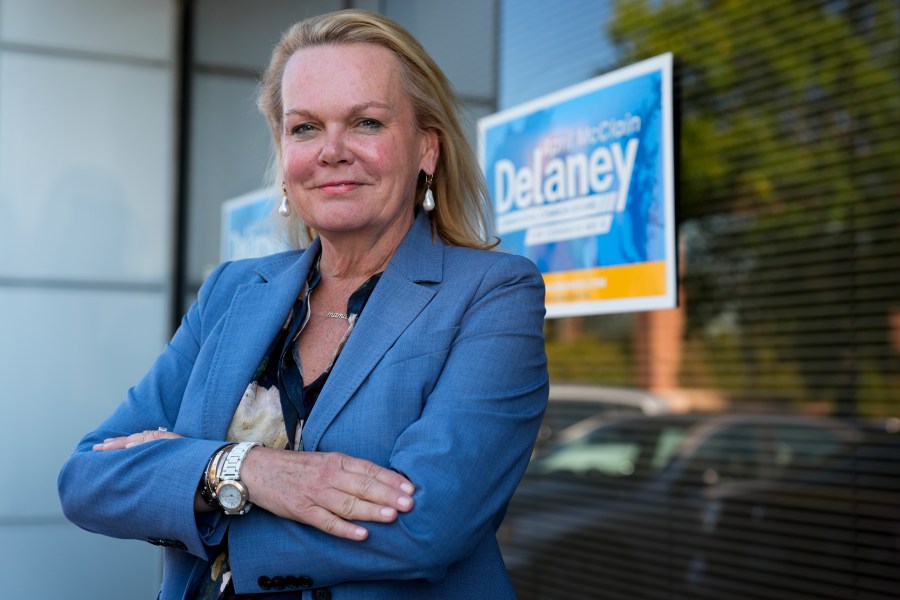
{"points": [[339, 186]]}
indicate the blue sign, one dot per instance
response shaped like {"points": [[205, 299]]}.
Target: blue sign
{"points": [[582, 183], [248, 226]]}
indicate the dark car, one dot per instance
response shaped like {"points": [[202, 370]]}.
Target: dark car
{"points": [[631, 508], [572, 403], [833, 532]]}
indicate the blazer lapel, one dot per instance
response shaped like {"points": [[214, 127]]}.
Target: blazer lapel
{"points": [[256, 313], [396, 301]]}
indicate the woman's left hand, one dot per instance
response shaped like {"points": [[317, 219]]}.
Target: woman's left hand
{"points": [[135, 439]]}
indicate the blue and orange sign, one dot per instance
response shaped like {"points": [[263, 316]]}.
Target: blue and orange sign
{"points": [[582, 183]]}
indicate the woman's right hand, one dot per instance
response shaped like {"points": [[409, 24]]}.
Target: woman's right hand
{"points": [[325, 490]]}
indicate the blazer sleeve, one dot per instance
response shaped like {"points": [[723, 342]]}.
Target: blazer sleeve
{"points": [[465, 454], [147, 492]]}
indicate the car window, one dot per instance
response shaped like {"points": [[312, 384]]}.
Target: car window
{"points": [[625, 451], [798, 447], [734, 453], [606, 458], [563, 413], [669, 440]]}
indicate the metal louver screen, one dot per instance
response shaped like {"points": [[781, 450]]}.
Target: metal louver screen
{"points": [[764, 461]]}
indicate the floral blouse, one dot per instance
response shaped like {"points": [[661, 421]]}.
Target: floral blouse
{"points": [[273, 410]]}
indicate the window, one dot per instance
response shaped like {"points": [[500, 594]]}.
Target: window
{"points": [[788, 333]]}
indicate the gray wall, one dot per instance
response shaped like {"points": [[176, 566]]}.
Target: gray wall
{"points": [[85, 187], [87, 119]]}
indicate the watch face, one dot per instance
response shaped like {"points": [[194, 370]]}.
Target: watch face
{"points": [[229, 496]]}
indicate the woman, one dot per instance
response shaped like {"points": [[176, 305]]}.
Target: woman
{"points": [[375, 396]]}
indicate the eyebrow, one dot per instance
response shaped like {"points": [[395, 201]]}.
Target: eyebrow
{"points": [[354, 110]]}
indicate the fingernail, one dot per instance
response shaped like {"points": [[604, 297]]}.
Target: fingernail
{"points": [[408, 488], [388, 513], [404, 502], [129, 445], [360, 532]]}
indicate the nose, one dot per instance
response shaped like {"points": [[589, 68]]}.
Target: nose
{"points": [[334, 149]]}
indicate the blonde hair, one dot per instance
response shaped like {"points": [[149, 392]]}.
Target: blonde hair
{"points": [[463, 207]]}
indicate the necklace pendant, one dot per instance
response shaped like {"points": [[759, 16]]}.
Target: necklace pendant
{"points": [[335, 315]]}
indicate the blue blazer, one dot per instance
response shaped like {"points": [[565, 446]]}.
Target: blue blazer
{"points": [[444, 379]]}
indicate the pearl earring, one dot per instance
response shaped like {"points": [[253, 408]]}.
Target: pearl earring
{"points": [[428, 203], [284, 209]]}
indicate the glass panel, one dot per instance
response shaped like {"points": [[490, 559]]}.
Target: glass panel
{"points": [[134, 28], [85, 175], [87, 348], [229, 35], [785, 348]]}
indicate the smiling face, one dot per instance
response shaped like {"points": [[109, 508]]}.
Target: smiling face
{"points": [[351, 152]]}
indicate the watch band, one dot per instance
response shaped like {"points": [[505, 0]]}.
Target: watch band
{"points": [[229, 475], [231, 469]]}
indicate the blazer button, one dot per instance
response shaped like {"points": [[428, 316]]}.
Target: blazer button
{"points": [[167, 543], [304, 581], [278, 583], [321, 594], [264, 582]]}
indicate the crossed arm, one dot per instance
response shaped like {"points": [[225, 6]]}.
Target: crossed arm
{"points": [[324, 490], [442, 490]]}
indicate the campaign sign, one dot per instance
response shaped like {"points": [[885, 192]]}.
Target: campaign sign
{"points": [[582, 183], [248, 229]]}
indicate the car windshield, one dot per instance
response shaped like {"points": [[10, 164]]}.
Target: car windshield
{"points": [[632, 450]]}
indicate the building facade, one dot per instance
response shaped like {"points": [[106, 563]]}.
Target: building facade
{"points": [[125, 124]]}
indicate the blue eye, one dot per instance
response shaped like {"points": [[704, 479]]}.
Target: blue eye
{"points": [[302, 128], [370, 124]]}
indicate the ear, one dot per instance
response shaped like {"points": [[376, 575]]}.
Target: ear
{"points": [[431, 147]]}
